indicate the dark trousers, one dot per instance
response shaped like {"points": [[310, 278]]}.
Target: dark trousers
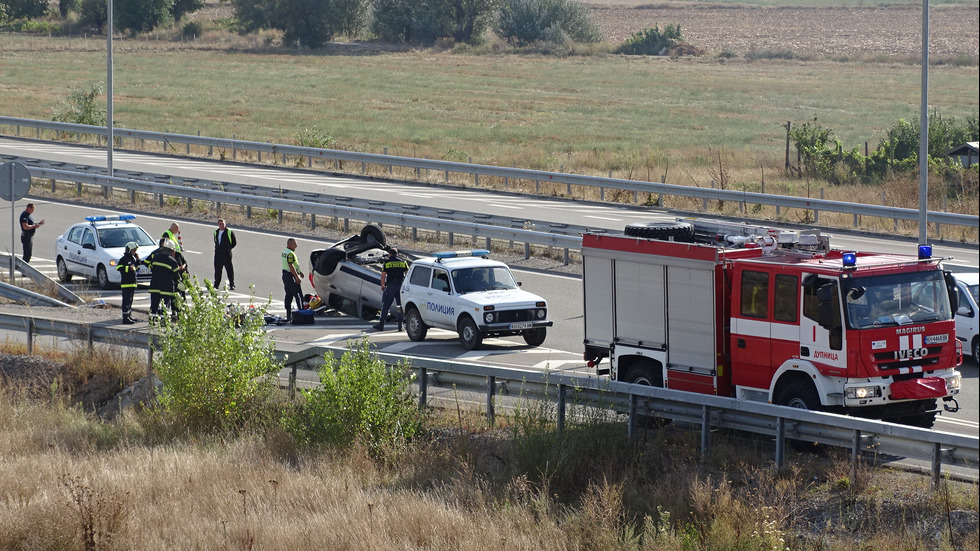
{"points": [[156, 297], [293, 292], [127, 301], [391, 294], [28, 242], [223, 261]]}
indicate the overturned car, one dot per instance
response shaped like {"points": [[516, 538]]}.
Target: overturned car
{"points": [[347, 276]]}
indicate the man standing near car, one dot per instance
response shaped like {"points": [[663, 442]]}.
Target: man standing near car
{"points": [[173, 234], [292, 279], [27, 229], [128, 266], [224, 242], [392, 277]]}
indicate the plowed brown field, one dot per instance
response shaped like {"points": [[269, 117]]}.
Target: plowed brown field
{"points": [[806, 32]]}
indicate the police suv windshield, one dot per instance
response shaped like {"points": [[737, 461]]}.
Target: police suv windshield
{"points": [[899, 299], [117, 236], [484, 278]]}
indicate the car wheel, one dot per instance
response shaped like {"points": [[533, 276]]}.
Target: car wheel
{"points": [[414, 325], [469, 334], [63, 274], [368, 313], [534, 337], [976, 349], [103, 277], [327, 262], [370, 232]]}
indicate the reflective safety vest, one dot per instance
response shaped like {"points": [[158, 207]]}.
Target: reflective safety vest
{"points": [[288, 257]]}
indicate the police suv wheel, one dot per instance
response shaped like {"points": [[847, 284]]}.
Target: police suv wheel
{"points": [[414, 325], [63, 274], [103, 277], [469, 334], [976, 349], [535, 337]]}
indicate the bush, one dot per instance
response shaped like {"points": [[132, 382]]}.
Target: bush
{"points": [[94, 14], [136, 16], [215, 363], [314, 137], [192, 29], [359, 399], [180, 8], [652, 41], [524, 22], [81, 108]]}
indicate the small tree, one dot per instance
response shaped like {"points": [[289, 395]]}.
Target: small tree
{"points": [[138, 16], [527, 21], [94, 13], [359, 398], [67, 6], [24, 9], [651, 41], [81, 108], [216, 365], [180, 8]]}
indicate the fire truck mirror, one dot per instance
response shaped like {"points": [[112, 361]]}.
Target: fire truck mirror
{"points": [[954, 296], [827, 310]]}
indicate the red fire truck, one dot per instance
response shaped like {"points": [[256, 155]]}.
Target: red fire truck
{"points": [[761, 314]]}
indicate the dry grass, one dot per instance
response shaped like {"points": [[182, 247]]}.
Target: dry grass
{"points": [[71, 481]]}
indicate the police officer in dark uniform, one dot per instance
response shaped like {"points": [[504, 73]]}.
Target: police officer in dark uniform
{"points": [[128, 266], [392, 277]]}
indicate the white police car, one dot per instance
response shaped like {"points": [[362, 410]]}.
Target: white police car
{"points": [[472, 295], [93, 248]]}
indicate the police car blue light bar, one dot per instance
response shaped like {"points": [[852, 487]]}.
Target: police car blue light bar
{"points": [[442, 255], [849, 260], [109, 217], [925, 252]]}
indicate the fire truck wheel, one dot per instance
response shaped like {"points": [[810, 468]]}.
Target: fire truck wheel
{"points": [[800, 394], [666, 231], [469, 334], [535, 337], [923, 420], [414, 325], [643, 373]]}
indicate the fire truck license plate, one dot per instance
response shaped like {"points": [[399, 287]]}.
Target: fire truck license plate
{"points": [[521, 325]]}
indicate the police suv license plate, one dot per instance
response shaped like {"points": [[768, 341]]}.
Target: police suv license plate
{"points": [[143, 271], [520, 325]]}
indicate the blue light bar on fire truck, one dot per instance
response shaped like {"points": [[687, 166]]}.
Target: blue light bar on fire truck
{"points": [[110, 217], [925, 252], [443, 255], [849, 260]]}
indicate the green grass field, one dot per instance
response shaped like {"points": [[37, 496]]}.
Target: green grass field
{"points": [[581, 113]]}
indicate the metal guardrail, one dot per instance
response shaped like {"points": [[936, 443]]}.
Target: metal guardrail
{"points": [[565, 242], [861, 436], [781, 201]]}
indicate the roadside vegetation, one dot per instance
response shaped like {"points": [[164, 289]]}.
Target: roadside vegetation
{"points": [[355, 464]]}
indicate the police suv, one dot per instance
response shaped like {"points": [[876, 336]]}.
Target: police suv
{"points": [[93, 249], [476, 297]]}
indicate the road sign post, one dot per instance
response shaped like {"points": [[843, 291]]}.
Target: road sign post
{"points": [[15, 182]]}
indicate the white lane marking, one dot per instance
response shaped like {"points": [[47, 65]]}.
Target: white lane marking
{"points": [[557, 364], [498, 205], [608, 218]]}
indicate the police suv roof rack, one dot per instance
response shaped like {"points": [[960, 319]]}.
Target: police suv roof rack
{"points": [[447, 255], [110, 217]]}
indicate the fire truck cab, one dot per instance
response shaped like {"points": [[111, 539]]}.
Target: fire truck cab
{"points": [[761, 314]]}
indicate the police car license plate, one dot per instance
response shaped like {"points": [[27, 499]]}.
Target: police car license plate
{"points": [[143, 271], [520, 325]]}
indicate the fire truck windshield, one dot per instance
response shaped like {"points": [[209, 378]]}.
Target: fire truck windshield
{"points": [[898, 299]]}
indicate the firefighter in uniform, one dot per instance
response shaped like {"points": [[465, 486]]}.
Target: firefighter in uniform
{"points": [[128, 266], [392, 277], [292, 278], [163, 267]]}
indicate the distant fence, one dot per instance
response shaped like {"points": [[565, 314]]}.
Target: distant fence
{"points": [[862, 436], [475, 171]]}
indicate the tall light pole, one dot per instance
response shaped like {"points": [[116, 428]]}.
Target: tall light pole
{"points": [[108, 111], [924, 131]]}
